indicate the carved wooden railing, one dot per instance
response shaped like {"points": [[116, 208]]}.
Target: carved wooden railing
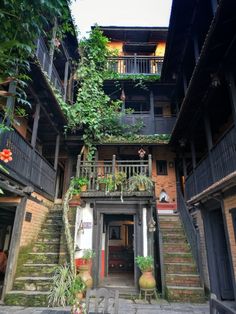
{"points": [[94, 170], [48, 67], [28, 166], [136, 64]]}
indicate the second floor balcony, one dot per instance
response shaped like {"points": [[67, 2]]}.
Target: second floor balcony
{"points": [[110, 177], [136, 64]]}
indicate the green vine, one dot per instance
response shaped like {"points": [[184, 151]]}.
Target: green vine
{"points": [[140, 139]]}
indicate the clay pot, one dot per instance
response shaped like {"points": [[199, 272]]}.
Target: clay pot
{"points": [[84, 274], [147, 280], [83, 188], [141, 187]]}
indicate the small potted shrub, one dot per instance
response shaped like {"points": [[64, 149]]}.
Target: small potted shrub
{"points": [[79, 185], [145, 264], [102, 181], [140, 182], [120, 179]]}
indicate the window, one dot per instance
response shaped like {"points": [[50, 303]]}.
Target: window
{"points": [[161, 167], [158, 111]]}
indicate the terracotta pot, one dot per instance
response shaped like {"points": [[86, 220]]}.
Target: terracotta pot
{"points": [[147, 280], [84, 274], [141, 187], [102, 186], [83, 188], [79, 296]]}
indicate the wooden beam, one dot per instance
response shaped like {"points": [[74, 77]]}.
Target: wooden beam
{"points": [[152, 111], [66, 79], [35, 125], [232, 93], [57, 151]]}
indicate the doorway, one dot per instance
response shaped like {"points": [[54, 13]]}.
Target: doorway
{"points": [[7, 217], [218, 257], [118, 261]]}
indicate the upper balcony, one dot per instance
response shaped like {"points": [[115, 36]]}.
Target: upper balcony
{"points": [[106, 177], [136, 64], [220, 162], [28, 165]]}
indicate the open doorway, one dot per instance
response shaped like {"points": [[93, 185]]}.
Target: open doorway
{"points": [[7, 216], [118, 246]]}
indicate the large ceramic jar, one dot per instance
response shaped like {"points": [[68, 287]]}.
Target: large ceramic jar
{"points": [[84, 274], [147, 280]]}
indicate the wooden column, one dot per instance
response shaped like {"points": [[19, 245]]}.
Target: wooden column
{"points": [[113, 166], [35, 125], [52, 48], [185, 84], [214, 6], [10, 101], [150, 165], [67, 174], [184, 166], [57, 151], [193, 153], [66, 79], [232, 93], [195, 48], [152, 112], [78, 165], [209, 143]]}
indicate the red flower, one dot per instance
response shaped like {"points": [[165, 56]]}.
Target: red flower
{"points": [[5, 155]]}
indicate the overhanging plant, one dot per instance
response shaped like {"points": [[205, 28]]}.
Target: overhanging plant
{"points": [[140, 182]]}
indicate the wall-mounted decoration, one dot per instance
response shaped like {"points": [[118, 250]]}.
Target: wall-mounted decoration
{"points": [[114, 233]]}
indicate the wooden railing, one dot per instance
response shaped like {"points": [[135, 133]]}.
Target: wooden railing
{"points": [[219, 307], [220, 162], [136, 64], [95, 170], [28, 166], [48, 67]]}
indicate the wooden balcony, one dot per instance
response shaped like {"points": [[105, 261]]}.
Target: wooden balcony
{"points": [[152, 125], [215, 166], [28, 166], [95, 170], [48, 67], [136, 64]]}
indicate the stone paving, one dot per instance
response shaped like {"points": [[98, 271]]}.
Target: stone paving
{"points": [[125, 307]]}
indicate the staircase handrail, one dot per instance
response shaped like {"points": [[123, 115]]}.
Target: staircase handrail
{"points": [[216, 306], [192, 233]]}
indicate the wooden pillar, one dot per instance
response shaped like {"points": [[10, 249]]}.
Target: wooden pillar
{"points": [[209, 143], [232, 94], [150, 165], [152, 114], [67, 174], [194, 162], [52, 48], [195, 48], [66, 79], [185, 84], [135, 63], [214, 6], [57, 151], [113, 166], [10, 102], [184, 166], [35, 125], [78, 165]]}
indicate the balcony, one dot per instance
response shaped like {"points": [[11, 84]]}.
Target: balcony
{"points": [[223, 161], [28, 166], [135, 64], [44, 59], [152, 125], [97, 171]]}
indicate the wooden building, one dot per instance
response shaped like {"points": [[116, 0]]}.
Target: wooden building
{"points": [[200, 61]]}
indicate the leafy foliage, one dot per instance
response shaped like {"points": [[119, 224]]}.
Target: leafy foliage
{"points": [[136, 138], [144, 263], [21, 23]]}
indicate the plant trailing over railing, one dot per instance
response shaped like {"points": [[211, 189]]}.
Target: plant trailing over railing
{"points": [[146, 139]]}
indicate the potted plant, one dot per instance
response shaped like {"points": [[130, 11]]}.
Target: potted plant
{"points": [[107, 183], [77, 289], [102, 181], [84, 267], [120, 179], [145, 264], [79, 185], [140, 182]]}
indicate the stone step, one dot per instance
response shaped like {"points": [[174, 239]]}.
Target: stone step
{"points": [[174, 217], [32, 283], [170, 224], [180, 268], [176, 247], [27, 298], [51, 219], [174, 238], [47, 236], [185, 294], [52, 247], [36, 270], [51, 228], [175, 231], [178, 258], [41, 258], [187, 280]]}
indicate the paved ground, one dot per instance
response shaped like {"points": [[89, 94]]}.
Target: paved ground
{"points": [[125, 307]]}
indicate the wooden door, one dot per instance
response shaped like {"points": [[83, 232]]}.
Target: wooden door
{"points": [[221, 256]]}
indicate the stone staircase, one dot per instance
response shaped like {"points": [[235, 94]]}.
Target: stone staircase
{"points": [[182, 281], [34, 271]]}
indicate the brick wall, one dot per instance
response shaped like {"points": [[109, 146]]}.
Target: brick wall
{"points": [[230, 202], [39, 211], [166, 182]]}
